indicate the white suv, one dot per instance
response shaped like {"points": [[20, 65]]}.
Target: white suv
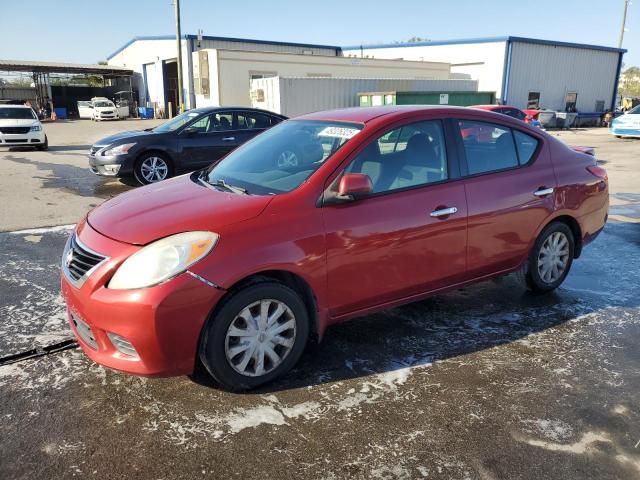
{"points": [[19, 126]]}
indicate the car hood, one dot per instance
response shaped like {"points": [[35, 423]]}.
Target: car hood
{"points": [[172, 206], [18, 122], [134, 134]]}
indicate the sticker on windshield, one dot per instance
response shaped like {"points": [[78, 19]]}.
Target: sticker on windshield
{"points": [[339, 132]]}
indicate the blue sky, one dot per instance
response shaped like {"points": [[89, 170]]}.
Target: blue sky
{"points": [[89, 30]]}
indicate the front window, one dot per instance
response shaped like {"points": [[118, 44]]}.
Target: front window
{"points": [[282, 158], [17, 114], [177, 122]]}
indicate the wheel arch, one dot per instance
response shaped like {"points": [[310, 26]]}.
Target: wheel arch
{"points": [[575, 227]]}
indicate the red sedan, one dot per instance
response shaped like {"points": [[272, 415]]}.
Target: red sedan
{"points": [[326, 217], [506, 110]]}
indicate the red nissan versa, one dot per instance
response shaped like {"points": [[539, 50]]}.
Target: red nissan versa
{"points": [[322, 218]]}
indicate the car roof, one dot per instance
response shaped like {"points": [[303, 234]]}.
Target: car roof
{"points": [[367, 114]]}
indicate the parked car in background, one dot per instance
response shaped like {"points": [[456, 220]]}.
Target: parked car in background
{"points": [[85, 109], [525, 115], [325, 217], [627, 124], [103, 109], [192, 140], [19, 126]]}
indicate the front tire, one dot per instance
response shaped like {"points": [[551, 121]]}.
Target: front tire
{"points": [[45, 145], [257, 335], [550, 259], [152, 167]]}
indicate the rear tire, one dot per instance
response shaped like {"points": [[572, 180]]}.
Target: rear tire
{"points": [[244, 354], [550, 258]]}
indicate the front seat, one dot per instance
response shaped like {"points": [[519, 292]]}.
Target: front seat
{"points": [[417, 159]]}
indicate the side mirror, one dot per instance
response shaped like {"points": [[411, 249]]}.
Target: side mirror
{"points": [[354, 186]]}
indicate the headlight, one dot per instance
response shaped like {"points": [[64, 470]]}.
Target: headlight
{"points": [[36, 128], [119, 149], [162, 260]]}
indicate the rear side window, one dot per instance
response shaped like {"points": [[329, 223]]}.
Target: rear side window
{"points": [[250, 121], [526, 146], [488, 147]]}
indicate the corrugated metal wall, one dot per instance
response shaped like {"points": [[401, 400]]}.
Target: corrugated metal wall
{"points": [[297, 96], [18, 93], [556, 70]]}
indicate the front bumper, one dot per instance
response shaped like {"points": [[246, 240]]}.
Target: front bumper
{"points": [[625, 132], [105, 116], [21, 139], [111, 165], [152, 331]]}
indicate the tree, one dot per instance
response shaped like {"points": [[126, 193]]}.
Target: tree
{"points": [[630, 82], [414, 40]]}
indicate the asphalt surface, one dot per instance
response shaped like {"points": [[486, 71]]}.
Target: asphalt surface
{"points": [[488, 382]]}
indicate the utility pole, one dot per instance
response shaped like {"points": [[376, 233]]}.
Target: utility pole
{"points": [[180, 106], [624, 22]]}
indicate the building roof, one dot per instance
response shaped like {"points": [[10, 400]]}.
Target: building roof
{"points": [[463, 41], [54, 67], [224, 39]]}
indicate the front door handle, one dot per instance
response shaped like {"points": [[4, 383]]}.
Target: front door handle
{"points": [[444, 212], [228, 139], [543, 192]]}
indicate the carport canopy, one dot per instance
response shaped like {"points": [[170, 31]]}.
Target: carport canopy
{"points": [[70, 68]]}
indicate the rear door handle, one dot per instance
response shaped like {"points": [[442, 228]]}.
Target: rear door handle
{"points": [[543, 192], [228, 139], [443, 212]]}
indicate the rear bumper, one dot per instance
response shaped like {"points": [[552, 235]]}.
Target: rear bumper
{"points": [[162, 324]]}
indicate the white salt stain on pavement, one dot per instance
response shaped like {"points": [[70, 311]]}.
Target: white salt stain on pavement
{"points": [[39, 231]]}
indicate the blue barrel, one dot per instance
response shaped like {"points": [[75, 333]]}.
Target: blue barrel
{"points": [[145, 113], [61, 113]]}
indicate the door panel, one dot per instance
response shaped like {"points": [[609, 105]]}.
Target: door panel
{"points": [[504, 213], [399, 241], [389, 247], [213, 139]]}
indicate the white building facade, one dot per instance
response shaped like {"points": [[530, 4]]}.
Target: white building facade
{"points": [[524, 72]]}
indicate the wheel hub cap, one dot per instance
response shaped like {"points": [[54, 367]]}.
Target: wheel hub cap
{"points": [[260, 337], [553, 257]]}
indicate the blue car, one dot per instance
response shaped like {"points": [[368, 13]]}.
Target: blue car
{"points": [[627, 125]]}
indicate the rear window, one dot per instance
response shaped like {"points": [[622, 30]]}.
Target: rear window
{"points": [[17, 113], [526, 146]]}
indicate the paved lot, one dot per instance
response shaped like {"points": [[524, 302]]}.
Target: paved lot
{"points": [[488, 382]]}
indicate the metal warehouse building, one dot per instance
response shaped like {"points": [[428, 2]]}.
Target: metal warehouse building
{"points": [[153, 58], [524, 72]]}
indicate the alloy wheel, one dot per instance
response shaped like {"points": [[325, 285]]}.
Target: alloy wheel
{"points": [[154, 169]]}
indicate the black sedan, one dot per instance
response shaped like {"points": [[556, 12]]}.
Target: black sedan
{"points": [[192, 140]]}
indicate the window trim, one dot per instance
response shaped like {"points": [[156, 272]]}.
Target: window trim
{"points": [[464, 165], [451, 150]]}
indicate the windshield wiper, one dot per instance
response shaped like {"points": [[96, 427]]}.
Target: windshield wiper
{"points": [[220, 183]]}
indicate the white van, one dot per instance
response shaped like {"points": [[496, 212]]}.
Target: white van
{"points": [[19, 126]]}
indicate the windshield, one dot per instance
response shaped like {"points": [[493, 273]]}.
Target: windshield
{"points": [[103, 104], [177, 122], [283, 157], [17, 113], [635, 110]]}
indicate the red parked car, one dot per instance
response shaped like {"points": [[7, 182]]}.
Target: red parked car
{"points": [[506, 110], [326, 217]]}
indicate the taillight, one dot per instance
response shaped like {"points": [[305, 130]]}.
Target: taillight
{"points": [[598, 172]]}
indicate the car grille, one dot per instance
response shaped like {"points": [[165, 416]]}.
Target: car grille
{"points": [[16, 140], [106, 113], [84, 331], [20, 130], [79, 261]]}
